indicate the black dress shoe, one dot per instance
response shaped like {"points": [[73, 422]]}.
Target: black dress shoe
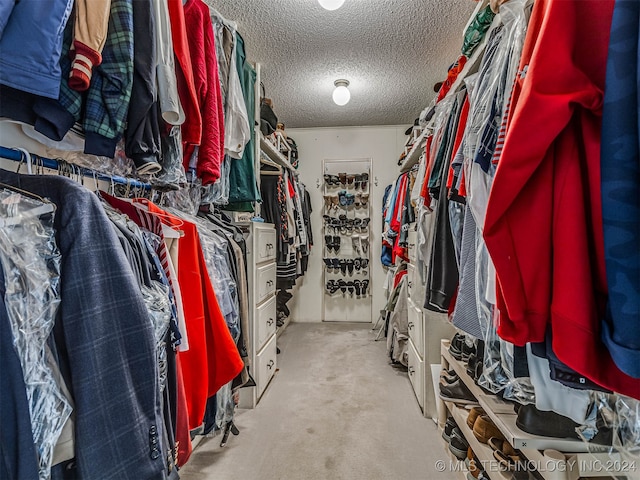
{"points": [[336, 244], [343, 266], [457, 392], [545, 424], [328, 241], [350, 266]]}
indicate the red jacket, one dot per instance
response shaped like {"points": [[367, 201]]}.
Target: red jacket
{"points": [[543, 226], [191, 129], [212, 359], [205, 73]]}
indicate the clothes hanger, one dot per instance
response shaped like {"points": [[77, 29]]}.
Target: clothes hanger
{"points": [[46, 207], [27, 159], [278, 169]]}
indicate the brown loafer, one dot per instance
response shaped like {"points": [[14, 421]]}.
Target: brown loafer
{"points": [[484, 429], [474, 413]]}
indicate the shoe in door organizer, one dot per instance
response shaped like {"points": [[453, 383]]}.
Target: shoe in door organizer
{"points": [[357, 181], [359, 288]]}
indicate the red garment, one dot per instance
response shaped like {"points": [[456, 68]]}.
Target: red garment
{"points": [[462, 123], [452, 76], [205, 73], [398, 277], [191, 129], [543, 226], [396, 220], [212, 359], [184, 446]]}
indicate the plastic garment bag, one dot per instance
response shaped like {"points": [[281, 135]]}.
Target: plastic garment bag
{"points": [[621, 416], [31, 263], [172, 175]]}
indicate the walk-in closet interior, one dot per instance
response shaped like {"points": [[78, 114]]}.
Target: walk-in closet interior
{"points": [[319, 239]]}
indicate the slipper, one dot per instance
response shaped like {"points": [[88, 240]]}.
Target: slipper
{"points": [[500, 444], [509, 462]]}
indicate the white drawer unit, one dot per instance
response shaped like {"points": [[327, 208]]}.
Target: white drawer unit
{"points": [[412, 241], [411, 280], [266, 362], [261, 270], [416, 373], [265, 281], [265, 245], [416, 327], [265, 322]]}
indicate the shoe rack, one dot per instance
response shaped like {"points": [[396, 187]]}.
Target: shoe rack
{"points": [[555, 458], [347, 241]]}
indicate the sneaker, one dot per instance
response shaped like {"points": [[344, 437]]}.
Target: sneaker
{"points": [[458, 444], [448, 428], [457, 392]]}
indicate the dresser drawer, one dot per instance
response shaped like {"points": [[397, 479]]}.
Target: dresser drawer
{"points": [[265, 322], [265, 248], [411, 280], [412, 240], [416, 374], [265, 281], [416, 327], [266, 362]]}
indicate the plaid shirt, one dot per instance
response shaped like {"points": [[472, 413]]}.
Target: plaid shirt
{"points": [[103, 108]]}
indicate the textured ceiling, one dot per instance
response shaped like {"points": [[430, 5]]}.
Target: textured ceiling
{"points": [[391, 51]]}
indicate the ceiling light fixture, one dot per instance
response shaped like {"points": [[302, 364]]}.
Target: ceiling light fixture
{"points": [[341, 95], [331, 4]]}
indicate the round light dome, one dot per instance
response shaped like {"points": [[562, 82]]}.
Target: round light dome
{"points": [[341, 95], [331, 4]]}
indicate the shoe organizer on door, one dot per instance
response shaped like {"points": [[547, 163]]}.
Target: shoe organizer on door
{"points": [[540, 457], [347, 240], [261, 271]]}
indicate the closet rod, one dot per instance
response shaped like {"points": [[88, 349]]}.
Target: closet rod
{"points": [[16, 155]]}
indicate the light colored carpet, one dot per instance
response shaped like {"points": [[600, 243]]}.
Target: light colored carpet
{"points": [[335, 410]]}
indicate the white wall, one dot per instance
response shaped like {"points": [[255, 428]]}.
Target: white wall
{"points": [[383, 145]]}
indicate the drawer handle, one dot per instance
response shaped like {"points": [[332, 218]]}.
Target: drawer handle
{"points": [[410, 285], [412, 370], [269, 322], [412, 245], [269, 283], [411, 325], [270, 364]]}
